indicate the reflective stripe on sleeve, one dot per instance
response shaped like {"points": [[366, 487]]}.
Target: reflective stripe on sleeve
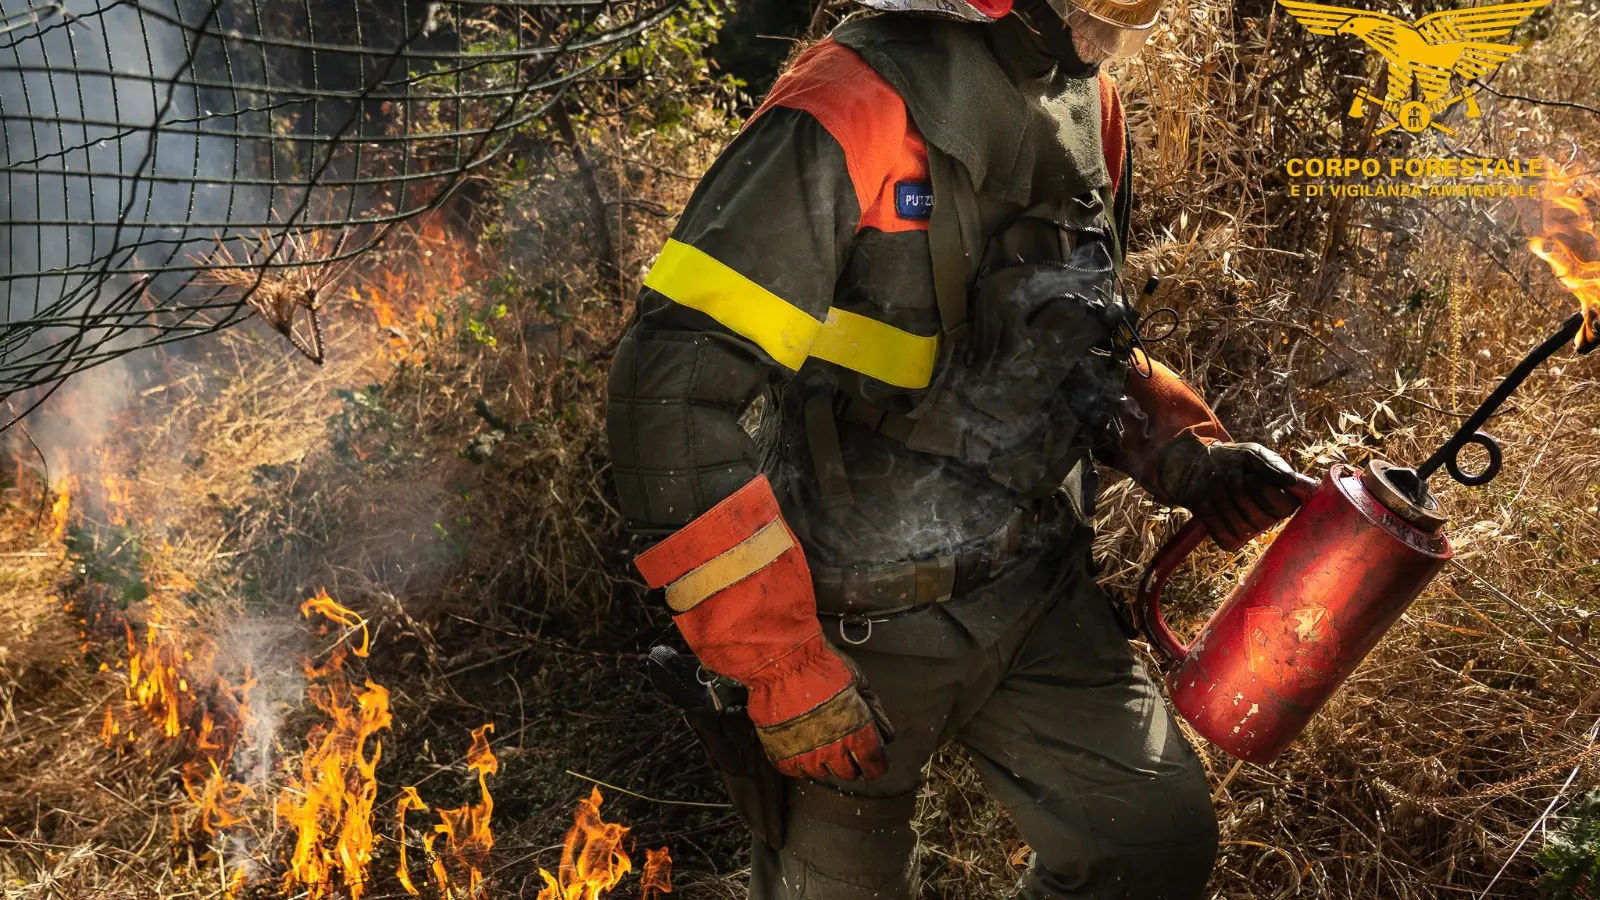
{"points": [[690, 277], [744, 559], [875, 349]]}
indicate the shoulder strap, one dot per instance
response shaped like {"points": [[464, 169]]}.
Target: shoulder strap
{"points": [[951, 263], [827, 457]]}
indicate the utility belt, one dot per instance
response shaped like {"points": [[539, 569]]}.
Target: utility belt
{"points": [[861, 591]]}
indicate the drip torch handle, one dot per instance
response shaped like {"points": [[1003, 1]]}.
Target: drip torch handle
{"points": [[1166, 561], [1169, 557]]}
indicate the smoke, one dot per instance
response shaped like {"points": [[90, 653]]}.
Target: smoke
{"points": [[96, 195], [118, 165]]}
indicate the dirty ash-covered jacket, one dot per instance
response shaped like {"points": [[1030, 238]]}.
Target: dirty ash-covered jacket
{"points": [[801, 271]]}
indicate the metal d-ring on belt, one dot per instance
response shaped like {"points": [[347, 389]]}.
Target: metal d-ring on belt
{"points": [[855, 620], [859, 593]]}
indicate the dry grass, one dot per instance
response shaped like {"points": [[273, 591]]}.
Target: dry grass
{"points": [[445, 475]]}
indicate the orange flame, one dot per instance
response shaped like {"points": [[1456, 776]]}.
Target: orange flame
{"points": [[178, 709], [328, 803], [406, 301], [467, 831], [161, 689], [331, 609], [155, 676], [118, 497], [593, 861], [467, 834], [657, 876], [1568, 242], [109, 730], [61, 509], [218, 799], [409, 800]]}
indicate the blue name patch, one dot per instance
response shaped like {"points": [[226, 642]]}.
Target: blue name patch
{"points": [[913, 199]]}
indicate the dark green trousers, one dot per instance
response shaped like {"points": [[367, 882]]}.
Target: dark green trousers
{"points": [[1070, 734]]}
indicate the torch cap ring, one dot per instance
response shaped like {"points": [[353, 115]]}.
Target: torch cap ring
{"points": [[1395, 487]]}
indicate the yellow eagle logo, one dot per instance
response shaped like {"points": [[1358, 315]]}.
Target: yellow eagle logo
{"points": [[1427, 53]]}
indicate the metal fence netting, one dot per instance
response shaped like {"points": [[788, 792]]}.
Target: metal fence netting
{"points": [[172, 167]]}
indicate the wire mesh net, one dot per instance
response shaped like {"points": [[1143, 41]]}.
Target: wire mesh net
{"points": [[172, 167]]}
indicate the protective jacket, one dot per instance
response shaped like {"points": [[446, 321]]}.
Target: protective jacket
{"points": [[898, 153], [913, 253]]}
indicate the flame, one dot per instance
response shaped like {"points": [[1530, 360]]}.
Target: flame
{"points": [[593, 861], [110, 729], [467, 832], [117, 497], [155, 681], [657, 876], [61, 509], [179, 711], [218, 799], [405, 300], [328, 803], [468, 836], [1568, 242], [172, 685], [329, 608], [409, 800]]}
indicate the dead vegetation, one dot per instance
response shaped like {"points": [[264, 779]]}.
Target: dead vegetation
{"points": [[444, 476]]}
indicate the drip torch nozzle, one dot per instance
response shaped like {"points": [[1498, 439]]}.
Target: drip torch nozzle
{"points": [[1589, 335], [1468, 433]]}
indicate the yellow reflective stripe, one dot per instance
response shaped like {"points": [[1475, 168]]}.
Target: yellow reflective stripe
{"points": [[691, 277], [744, 559], [876, 350]]}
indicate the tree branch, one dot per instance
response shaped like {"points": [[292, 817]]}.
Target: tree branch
{"points": [[1563, 104]]}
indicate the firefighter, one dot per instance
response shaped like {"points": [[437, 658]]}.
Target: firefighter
{"points": [[911, 256]]}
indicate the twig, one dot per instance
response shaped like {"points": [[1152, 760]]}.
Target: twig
{"points": [[548, 642], [623, 790], [1540, 101], [609, 266], [1294, 868], [1329, 379], [44, 496], [1554, 635], [1227, 779]]}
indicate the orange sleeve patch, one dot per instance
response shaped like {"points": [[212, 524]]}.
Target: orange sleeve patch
{"points": [[716, 531], [882, 147], [1112, 134]]}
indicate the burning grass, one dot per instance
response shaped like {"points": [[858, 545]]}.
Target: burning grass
{"points": [[240, 750]]}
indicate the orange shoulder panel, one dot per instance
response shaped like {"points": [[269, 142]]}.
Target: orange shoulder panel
{"points": [[882, 147], [1112, 135]]}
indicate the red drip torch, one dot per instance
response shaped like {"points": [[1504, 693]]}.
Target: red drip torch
{"points": [[1362, 547]]}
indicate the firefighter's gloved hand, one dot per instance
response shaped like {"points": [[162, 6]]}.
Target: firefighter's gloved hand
{"points": [[1237, 490], [740, 591], [844, 737]]}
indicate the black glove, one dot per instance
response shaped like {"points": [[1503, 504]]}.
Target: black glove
{"points": [[1236, 490]]}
